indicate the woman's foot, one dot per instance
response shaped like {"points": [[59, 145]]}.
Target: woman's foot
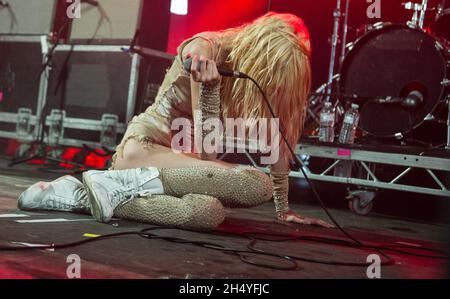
{"points": [[64, 194], [109, 189]]}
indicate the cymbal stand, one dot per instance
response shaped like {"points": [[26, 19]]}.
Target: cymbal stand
{"points": [[334, 42]]}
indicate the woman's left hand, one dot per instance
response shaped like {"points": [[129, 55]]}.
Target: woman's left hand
{"points": [[291, 216]]}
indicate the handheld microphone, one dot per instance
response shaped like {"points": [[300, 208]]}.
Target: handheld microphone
{"points": [[223, 72]]}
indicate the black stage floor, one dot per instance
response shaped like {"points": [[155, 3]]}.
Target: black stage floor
{"points": [[136, 257]]}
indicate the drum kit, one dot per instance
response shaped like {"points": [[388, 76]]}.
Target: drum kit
{"points": [[397, 73]]}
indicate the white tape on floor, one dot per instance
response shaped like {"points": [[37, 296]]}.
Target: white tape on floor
{"points": [[52, 220], [33, 245], [13, 215]]}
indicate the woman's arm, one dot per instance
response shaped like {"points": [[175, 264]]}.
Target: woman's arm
{"points": [[279, 172], [205, 85]]}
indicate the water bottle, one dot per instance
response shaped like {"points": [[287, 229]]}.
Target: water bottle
{"points": [[349, 125], [327, 119]]}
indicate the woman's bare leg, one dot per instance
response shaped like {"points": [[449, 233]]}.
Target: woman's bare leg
{"points": [[135, 155]]}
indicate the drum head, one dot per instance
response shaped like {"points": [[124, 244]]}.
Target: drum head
{"points": [[393, 61]]}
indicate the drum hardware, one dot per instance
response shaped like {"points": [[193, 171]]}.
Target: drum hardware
{"points": [[417, 20], [368, 27], [439, 46], [337, 14], [350, 46], [430, 117], [334, 43], [422, 13], [345, 33], [399, 136], [378, 25], [378, 65]]}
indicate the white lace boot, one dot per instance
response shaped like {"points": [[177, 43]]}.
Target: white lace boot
{"points": [[64, 194], [108, 189]]}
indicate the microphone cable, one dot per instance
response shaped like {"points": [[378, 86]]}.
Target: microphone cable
{"points": [[300, 165], [357, 243]]}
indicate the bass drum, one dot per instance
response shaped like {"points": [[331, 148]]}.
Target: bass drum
{"points": [[393, 61]]}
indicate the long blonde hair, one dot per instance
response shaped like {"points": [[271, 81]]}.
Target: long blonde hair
{"points": [[275, 51]]}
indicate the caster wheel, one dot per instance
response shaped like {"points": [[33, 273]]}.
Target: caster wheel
{"points": [[357, 207]]}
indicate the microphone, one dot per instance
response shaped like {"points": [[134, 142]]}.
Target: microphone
{"points": [[411, 101], [223, 72], [389, 100], [4, 3]]}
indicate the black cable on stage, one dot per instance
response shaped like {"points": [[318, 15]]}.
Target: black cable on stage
{"points": [[244, 255], [300, 165]]}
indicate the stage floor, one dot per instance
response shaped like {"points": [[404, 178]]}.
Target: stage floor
{"points": [[136, 257]]}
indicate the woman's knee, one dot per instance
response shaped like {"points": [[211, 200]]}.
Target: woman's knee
{"points": [[131, 153], [259, 183]]}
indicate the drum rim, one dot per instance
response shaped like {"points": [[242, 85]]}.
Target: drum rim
{"points": [[443, 12], [385, 25]]}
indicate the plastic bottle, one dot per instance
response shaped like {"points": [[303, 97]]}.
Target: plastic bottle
{"points": [[349, 125], [327, 121]]}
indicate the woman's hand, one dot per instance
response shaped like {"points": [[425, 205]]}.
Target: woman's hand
{"points": [[204, 70], [291, 216]]}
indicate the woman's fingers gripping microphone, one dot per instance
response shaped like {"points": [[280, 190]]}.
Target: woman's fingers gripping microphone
{"points": [[204, 70]]}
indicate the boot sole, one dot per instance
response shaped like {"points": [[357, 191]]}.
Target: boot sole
{"points": [[93, 199]]}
